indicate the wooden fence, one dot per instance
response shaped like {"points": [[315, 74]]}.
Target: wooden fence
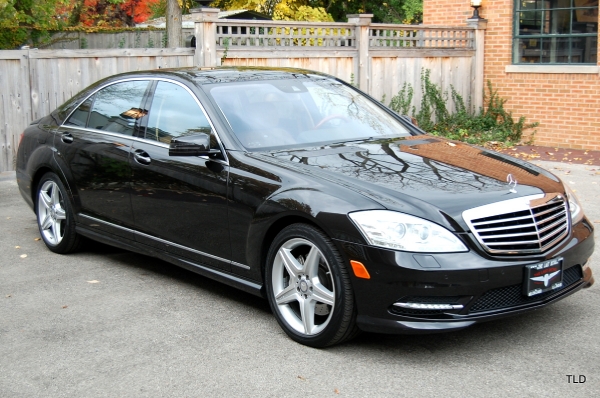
{"points": [[378, 58], [139, 38], [35, 82]]}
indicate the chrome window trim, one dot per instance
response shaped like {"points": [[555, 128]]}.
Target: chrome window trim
{"points": [[94, 92], [511, 206], [212, 126], [132, 138], [231, 262], [103, 132]]}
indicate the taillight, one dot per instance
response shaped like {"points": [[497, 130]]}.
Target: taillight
{"points": [[21, 138]]}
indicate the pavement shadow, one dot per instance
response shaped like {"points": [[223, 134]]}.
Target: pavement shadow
{"points": [[153, 266]]}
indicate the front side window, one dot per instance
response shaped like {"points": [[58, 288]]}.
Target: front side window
{"points": [[174, 112], [555, 32], [117, 107]]}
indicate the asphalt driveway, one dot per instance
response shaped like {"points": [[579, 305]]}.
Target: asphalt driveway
{"points": [[108, 323]]}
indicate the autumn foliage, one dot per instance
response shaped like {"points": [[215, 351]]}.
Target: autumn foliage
{"points": [[139, 10], [107, 13]]}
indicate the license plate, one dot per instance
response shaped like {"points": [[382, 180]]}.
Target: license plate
{"points": [[544, 276]]}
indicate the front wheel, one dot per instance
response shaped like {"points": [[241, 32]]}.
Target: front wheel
{"points": [[55, 216], [309, 289]]}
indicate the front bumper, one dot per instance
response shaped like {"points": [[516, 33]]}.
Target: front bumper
{"points": [[485, 288]]}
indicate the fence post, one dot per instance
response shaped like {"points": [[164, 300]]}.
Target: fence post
{"points": [[205, 30], [362, 23], [480, 26]]}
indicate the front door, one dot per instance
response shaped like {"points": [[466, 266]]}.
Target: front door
{"points": [[179, 202]]}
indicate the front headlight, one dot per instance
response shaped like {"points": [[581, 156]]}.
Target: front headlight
{"points": [[574, 205], [400, 231]]}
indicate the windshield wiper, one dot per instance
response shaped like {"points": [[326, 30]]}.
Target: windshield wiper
{"points": [[354, 140]]}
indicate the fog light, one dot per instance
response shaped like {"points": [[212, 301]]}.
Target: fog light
{"points": [[433, 307]]}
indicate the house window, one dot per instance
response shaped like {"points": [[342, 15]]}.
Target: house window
{"points": [[555, 32]]}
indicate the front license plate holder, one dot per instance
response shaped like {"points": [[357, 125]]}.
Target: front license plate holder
{"points": [[542, 277]]}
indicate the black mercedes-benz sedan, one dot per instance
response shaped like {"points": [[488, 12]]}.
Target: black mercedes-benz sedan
{"points": [[295, 186]]}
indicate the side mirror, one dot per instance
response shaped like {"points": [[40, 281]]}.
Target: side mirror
{"points": [[191, 145]]}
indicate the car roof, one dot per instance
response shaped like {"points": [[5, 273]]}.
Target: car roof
{"points": [[228, 74]]}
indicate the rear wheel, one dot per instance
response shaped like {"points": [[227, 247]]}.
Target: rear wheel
{"points": [[55, 216], [309, 289]]}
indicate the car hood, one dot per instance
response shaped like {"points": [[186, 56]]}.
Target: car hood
{"points": [[423, 175]]}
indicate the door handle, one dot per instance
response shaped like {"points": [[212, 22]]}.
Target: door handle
{"points": [[142, 157], [67, 138]]}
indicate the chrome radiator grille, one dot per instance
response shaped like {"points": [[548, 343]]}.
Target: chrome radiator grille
{"points": [[527, 225]]}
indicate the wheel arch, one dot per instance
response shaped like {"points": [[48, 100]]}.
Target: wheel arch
{"points": [[53, 167], [323, 210], [275, 228], [35, 182]]}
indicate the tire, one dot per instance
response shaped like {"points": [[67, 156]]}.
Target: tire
{"points": [[309, 289], [55, 218]]}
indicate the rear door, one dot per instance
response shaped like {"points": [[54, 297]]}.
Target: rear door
{"points": [[94, 143], [180, 202]]}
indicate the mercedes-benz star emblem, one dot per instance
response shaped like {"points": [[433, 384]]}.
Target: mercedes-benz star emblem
{"points": [[512, 183]]}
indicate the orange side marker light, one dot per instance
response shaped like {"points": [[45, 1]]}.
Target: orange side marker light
{"points": [[360, 270]]}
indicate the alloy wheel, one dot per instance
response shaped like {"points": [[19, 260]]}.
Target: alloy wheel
{"points": [[51, 213], [303, 287]]}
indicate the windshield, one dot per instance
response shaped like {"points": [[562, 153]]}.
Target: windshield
{"points": [[284, 113]]}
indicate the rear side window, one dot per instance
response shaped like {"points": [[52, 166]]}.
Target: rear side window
{"points": [[116, 108], [174, 112]]}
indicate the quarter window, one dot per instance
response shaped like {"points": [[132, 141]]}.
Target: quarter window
{"points": [[556, 32], [174, 113], [80, 115], [117, 107]]}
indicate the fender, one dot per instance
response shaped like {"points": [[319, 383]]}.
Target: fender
{"points": [[65, 174], [40, 158], [291, 206]]}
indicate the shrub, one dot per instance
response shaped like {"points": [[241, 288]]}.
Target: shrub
{"points": [[488, 125]]}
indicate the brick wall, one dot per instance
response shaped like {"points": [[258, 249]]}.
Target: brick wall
{"points": [[566, 105], [447, 12]]}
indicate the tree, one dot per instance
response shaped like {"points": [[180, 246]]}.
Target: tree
{"points": [[294, 10], [111, 12], [392, 11], [28, 21], [102, 13], [289, 10], [389, 11], [139, 10], [174, 35]]}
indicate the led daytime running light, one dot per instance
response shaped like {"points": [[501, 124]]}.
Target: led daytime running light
{"points": [[433, 307]]}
